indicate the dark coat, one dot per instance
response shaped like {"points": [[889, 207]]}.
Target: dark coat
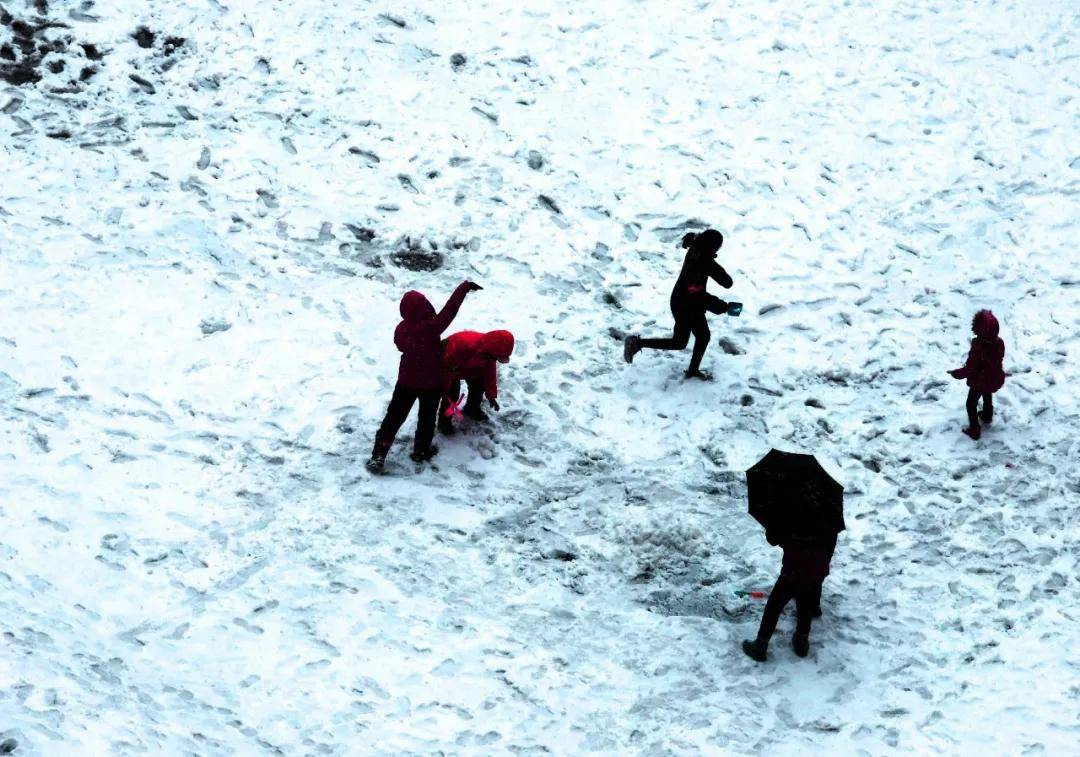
{"points": [[807, 561], [689, 292], [983, 369], [418, 336]]}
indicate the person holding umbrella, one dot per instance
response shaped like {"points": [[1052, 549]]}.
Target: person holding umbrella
{"points": [[802, 510], [804, 568]]}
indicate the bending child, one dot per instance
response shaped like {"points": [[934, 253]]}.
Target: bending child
{"points": [[472, 357]]}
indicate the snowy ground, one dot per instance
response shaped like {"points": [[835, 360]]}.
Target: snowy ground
{"points": [[199, 275]]}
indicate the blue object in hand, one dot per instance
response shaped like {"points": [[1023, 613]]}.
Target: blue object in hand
{"points": [[734, 308]]}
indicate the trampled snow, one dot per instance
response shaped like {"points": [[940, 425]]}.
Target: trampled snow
{"points": [[202, 247]]}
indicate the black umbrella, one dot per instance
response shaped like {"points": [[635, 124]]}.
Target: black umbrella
{"points": [[791, 493]]}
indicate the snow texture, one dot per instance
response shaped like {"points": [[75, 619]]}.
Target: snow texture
{"points": [[202, 245]]}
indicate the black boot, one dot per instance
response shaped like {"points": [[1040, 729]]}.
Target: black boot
{"points": [[378, 455], [756, 649], [697, 373], [631, 347], [986, 416], [800, 642], [423, 455], [475, 413]]}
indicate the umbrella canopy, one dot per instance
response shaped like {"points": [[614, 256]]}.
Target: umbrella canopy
{"points": [[791, 493]]}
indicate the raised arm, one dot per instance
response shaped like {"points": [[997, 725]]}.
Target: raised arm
{"points": [[719, 275], [445, 317]]}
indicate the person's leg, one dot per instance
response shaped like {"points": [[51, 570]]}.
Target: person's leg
{"points": [[700, 328], [987, 414], [815, 601], [680, 337], [972, 411], [401, 403], [804, 604], [473, 407], [425, 423], [778, 598]]}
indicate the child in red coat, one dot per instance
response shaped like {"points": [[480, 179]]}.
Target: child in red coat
{"points": [[419, 374], [983, 371], [472, 357]]}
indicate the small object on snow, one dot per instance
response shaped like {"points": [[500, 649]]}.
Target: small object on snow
{"points": [[457, 61], [536, 160], [145, 85], [213, 325], [550, 204], [729, 347], [7, 746], [395, 20], [453, 408], [751, 594], [489, 116]]}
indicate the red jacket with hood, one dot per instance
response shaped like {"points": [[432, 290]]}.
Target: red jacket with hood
{"points": [[418, 336], [983, 369], [472, 355]]}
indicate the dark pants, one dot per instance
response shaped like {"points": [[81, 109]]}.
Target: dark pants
{"points": [[973, 407], [689, 319], [401, 404], [472, 402], [806, 597]]}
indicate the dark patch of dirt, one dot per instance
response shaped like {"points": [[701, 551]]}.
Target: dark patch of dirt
{"points": [[144, 37]]}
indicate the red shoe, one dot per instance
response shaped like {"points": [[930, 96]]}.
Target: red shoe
{"points": [[974, 432]]}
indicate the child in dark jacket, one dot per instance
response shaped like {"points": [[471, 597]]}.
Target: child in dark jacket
{"points": [[805, 566], [418, 337], [690, 302], [983, 371]]}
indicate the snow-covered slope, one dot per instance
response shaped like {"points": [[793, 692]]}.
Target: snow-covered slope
{"points": [[202, 245]]}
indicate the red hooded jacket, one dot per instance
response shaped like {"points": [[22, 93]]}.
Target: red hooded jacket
{"points": [[418, 337], [983, 369], [472, 355]]}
